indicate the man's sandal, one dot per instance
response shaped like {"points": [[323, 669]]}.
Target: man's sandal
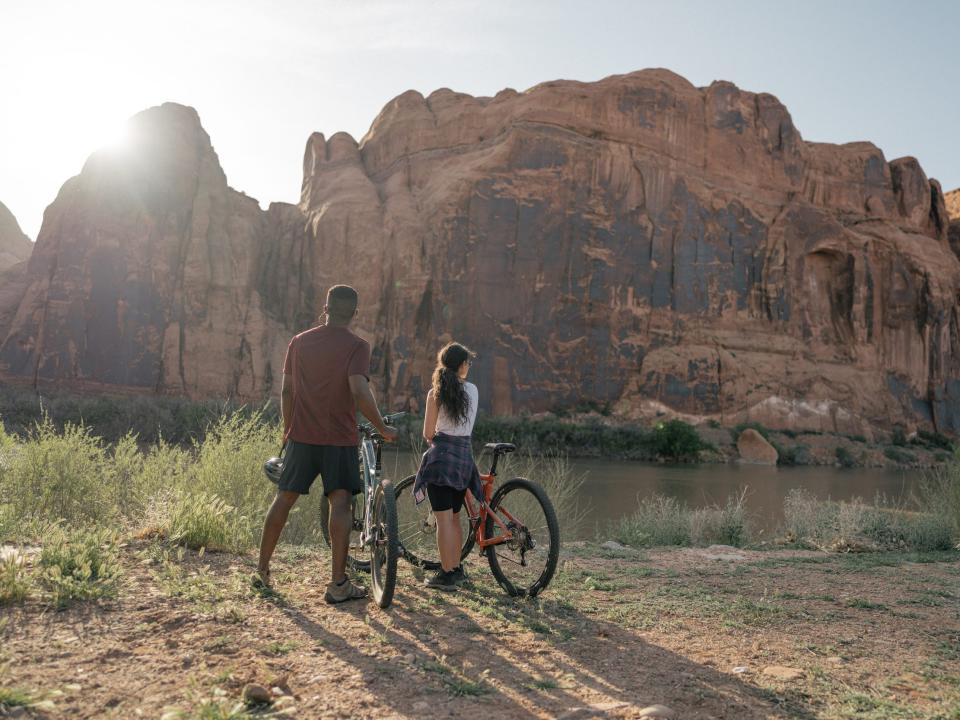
{"points": [[341, 593]]}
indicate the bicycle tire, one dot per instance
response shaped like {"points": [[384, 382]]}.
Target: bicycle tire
{"points": [[386, 544], [413, 521], [353, 561], [494, 552]]}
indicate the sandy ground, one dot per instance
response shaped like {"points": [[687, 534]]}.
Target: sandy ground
{"points": [[716, 633]]}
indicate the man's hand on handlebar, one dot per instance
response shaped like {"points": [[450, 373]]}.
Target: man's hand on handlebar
{"points": [[389, 434]]}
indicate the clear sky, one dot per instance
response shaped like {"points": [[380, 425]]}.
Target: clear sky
{"points": [[264, 75]]}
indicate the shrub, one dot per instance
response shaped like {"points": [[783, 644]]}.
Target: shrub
{"points": [[14, 582], [725, 525], [199, 520], [58, 477], [556, 475], [883, 525], [661, 520], [737, 429], [793, 455], [940, 493], [845, 457], [79, 565], [676, 440], [898, 438], [935, 440], [902, 457]]}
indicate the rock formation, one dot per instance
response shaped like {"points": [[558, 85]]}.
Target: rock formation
{"points": [[15, 247], [953, 211], [754, 448], [636, 241]]}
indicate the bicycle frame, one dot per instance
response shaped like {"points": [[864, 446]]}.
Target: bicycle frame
{"points": [[478, 519], [370, 467]]}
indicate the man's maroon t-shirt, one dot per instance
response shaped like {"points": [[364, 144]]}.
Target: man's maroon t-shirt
{"points": [[320, 361]]}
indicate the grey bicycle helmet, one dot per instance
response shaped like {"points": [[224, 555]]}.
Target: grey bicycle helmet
{"points": [[273, 468]]}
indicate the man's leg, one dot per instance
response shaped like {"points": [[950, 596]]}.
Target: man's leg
{"points": [[341, 523], [272, 527]]}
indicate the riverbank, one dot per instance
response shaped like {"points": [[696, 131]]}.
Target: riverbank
{"points": [[708, 633], [587, 435]]}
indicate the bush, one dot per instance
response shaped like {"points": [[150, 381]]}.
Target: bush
{"points": [[935, 440], [660, 521], [845, 457], [725, 525], [901, 457], [58, 477], [14, 582], [793, 455], [762, 429], [556, 476], [79, 565], [676, 440], [899, 438], [940, 493], [199, 520], [827, 524]]}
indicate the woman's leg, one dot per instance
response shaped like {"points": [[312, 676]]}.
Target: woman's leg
{"points": [[448, 543]]}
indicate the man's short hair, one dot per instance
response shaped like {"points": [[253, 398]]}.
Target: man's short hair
{"points": [[341, 302]]}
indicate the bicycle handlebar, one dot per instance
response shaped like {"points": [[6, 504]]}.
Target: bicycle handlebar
{"points": [[367, 428]]}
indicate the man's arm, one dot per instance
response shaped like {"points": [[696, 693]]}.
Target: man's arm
{"points": [[367, 404], [286, 403]]}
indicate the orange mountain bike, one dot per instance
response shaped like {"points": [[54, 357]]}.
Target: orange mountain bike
{"points": [[515, 527]]}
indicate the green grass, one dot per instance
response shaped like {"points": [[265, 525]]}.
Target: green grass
{"points": [[15, 582], [663, 521], [280, 648], [79, 565], [14, 697], [864, 604]]}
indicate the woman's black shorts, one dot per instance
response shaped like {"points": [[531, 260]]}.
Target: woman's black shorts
{"points": [[445, 498]]}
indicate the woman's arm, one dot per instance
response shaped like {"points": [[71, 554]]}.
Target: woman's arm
{"points": [[430, 417]]}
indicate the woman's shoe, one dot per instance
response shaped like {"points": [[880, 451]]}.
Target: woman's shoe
{"points": [[460, 575], [442, 580]]}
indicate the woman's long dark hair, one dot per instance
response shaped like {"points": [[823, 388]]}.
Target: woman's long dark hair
{"points": [[447, 388]]}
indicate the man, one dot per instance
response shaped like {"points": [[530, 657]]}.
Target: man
{"points": [[325, 380]]}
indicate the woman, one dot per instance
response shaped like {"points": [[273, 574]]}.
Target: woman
{"points": [[447, 470]]}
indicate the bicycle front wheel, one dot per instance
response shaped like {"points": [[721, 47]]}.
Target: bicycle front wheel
{"points": [[418, 529], [524, 564], [385, 544]]}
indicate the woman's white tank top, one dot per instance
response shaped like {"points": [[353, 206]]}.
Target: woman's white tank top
{"points": [[447, 426]]}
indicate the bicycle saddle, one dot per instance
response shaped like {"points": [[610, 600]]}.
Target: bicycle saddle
{"points": [[501, 447]]}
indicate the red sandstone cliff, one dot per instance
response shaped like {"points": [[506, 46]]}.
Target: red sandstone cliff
{"points": [[636, 241], [15, 247]]}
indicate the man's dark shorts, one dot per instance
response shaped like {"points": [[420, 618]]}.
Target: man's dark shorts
{"points": [[445, 498], [338, 466]]}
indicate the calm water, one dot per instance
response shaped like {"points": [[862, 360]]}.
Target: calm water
{"points": [[611, 488]]}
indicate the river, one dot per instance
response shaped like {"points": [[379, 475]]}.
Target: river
{"points": [[611, 489]]}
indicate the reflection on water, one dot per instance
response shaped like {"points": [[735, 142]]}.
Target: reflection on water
{"points": [[612, 488]]}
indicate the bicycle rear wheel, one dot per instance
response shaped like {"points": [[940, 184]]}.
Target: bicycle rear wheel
{"points": [[418, 529], [525, 564], [356, 553], [386, 544]]}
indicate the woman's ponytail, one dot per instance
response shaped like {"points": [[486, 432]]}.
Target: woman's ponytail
{"points": [[447, 388]]}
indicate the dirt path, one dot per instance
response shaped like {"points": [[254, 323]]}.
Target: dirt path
{"points": [[698, 631]]}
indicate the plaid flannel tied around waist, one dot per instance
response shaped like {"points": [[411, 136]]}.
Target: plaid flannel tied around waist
{"points": [[448, 463]]}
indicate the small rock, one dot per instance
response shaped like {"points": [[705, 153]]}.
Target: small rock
{"points": [[410, 658], [740, 669], [277, 690], [73, 687], [421, 706], [835, 659], [256, 694], [779, 672], [613, 545], [657, 711]]}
